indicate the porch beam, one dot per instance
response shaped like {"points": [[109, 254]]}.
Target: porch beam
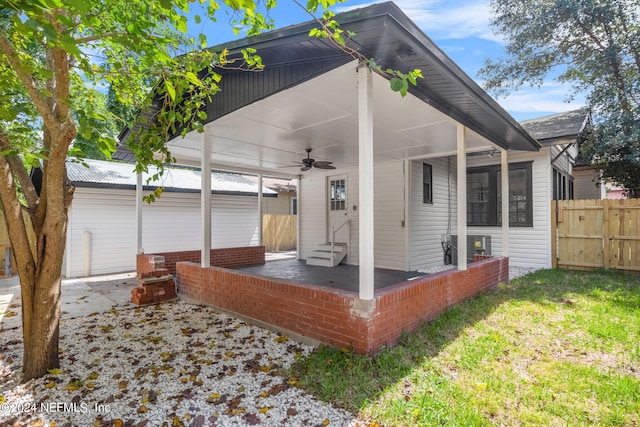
{"points": [[139, 187], [365, 178], [462, 196], [205, 203], [504, 167]]}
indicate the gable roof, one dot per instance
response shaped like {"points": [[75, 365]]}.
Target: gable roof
{"points": [[103, 174], [292, 57], [559, 128]]}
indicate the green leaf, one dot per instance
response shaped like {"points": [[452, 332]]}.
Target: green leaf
{"points": [[197, 19], [396, 84], [170, 89], [193, 79]]}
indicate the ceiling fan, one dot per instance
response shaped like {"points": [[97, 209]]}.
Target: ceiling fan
{"points": [[308, 163]]}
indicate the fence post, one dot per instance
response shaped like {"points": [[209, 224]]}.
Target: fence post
{"points": [[606, 253]]}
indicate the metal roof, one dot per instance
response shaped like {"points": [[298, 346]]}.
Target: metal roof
{"points": [[103, 174], [381, 29]]}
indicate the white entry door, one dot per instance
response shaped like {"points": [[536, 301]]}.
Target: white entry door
{"points": [[338, 208]]}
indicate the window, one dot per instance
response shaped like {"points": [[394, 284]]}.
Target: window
{"points": [[338, 194], [294, 206], [484, 195], [562, 186], [427, 183]]}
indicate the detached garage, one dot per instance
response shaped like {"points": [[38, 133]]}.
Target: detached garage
{"points": [[101, 233]]}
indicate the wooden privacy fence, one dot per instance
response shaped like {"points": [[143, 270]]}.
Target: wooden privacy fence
{"points": [[593, 234], [279, 232]]}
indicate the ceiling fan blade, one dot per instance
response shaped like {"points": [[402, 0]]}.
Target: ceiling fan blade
{"points": [[306, 168], [290, 166], [324, 165]]}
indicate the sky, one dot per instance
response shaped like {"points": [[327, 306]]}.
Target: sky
{"points": [[459, 27]]}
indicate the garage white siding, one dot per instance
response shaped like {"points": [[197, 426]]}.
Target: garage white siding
{"points": [[172, 223]]}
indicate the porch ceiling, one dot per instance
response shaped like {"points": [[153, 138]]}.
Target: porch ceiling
{"points": [[322, 113]]}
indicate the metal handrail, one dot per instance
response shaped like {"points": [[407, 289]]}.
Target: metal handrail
{"points": [[333, 236]]}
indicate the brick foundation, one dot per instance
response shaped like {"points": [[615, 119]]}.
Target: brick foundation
{"points": [[225, 258], [339, 317]]}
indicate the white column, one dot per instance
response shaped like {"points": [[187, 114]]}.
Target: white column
{"points": [[504, 167], [140, 249], [205, 203], [462, 197], [365, 177], [260, 210], [298, 214]]}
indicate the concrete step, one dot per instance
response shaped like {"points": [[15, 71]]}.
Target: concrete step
{"points": [[337, 247], [321, 262]]}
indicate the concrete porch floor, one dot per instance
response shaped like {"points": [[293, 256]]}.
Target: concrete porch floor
{"points": [[343, 276]]}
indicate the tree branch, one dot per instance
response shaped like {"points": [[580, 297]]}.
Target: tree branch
{"points": [[16, 227], [19, 171], [40, 101]]}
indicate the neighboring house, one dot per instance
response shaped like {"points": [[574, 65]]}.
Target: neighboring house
{"points": [[285, 203], [101, 233]]}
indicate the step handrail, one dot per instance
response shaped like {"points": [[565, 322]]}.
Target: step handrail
{"points": [[333, 236]]}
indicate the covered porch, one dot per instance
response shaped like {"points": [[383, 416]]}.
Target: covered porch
{"points": [[312, 96]]}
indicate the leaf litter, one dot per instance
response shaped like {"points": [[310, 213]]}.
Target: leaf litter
{"points": [[173, 364]]}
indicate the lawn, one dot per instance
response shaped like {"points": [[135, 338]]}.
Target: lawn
{"points": [[550, 348]]}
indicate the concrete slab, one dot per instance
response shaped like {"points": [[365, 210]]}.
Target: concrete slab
{"points": [[342, 276], [80, 297]]}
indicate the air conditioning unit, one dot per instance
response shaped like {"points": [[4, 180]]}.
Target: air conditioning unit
{"points": [[476, 245]]}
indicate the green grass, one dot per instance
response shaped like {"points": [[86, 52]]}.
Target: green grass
{"points": [[551, 348]]}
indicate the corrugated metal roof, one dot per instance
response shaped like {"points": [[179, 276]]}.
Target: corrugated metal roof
{"points": [[569, 124], [122, 175]]}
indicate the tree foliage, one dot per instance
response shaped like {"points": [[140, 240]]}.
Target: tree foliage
{"points": [[594, 45]]}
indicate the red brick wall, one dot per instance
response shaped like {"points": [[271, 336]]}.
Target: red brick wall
{"points": [[330, 315], [225, 257]]}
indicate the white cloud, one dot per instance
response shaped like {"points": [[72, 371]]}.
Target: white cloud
{"points": [[549, 98], [442, 20]]}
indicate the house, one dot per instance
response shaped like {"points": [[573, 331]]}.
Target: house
{"points": [[102, 228], [394, 184]]}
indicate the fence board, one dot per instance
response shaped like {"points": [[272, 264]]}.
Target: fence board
{"points": [[279, 232], [592, 234]]}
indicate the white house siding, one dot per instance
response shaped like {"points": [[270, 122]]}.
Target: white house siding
{"points": [[528, 246], [389, 207], [429, 221], [563, 164], [172, 223], [312, 212], [585, 184], [389, 243]]}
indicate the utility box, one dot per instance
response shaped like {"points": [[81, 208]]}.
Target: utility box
{"points": [[476, 245]]}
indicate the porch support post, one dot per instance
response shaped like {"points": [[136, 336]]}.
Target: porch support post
{"points": [[205, 203], [260, 241], [139, 247], [504, 167], [365, 178], [298, 214], [462, 197]]}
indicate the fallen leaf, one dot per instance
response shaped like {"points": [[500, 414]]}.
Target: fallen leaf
{"points": [[55, 371], [326, 422]]}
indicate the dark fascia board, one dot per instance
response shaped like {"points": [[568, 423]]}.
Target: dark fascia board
{"points": [[389, 17], [166, 189]]}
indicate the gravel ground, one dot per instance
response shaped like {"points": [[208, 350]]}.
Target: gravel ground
{"points": [[174, 364]]}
